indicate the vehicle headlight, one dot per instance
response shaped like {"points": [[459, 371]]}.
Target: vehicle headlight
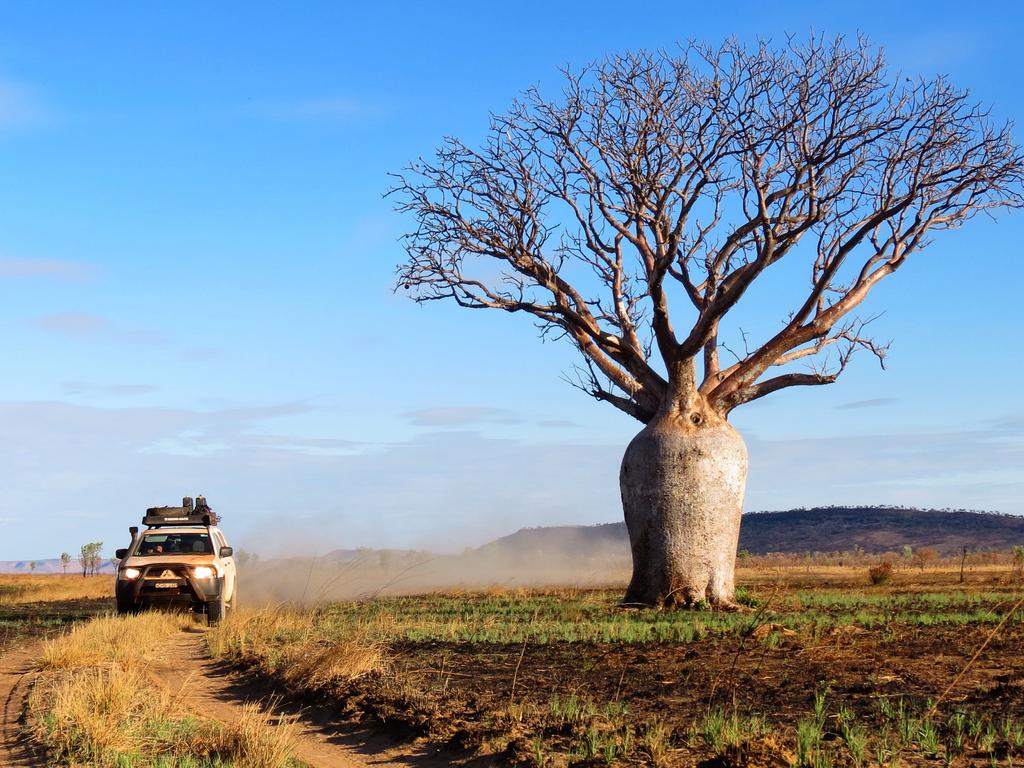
{"points": [[130, 573], [204, 572]]}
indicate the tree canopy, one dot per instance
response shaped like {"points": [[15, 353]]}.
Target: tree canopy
{"points": [[632, 213]]}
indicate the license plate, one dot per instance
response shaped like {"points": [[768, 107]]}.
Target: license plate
{"points": [[166, 585]]}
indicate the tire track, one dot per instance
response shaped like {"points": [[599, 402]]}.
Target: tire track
{"points": [[211, 689], [17, 669]]}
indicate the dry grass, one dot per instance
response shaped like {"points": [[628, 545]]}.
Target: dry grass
{"points": [[116, 717], [94, 704], [124, 641], [252, 740], [317, 666], [48, 588], [291, 646], [87, 713]]}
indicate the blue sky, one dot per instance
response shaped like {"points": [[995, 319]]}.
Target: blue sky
{"points": [[197, 263]]}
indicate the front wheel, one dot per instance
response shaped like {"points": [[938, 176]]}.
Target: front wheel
{"points": [[215, 611], [126, 608]]}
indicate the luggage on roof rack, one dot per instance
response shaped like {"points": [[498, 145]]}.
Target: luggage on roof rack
{"points": [[186, 514]]}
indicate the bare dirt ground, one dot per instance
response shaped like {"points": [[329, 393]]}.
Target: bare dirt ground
{"points": [[15, 677]]}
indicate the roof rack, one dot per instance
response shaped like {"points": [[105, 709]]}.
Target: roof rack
{"points": [[186, 514]]}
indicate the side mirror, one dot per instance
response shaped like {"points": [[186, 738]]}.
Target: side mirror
{"points": [[226, 551], [120, 553]]}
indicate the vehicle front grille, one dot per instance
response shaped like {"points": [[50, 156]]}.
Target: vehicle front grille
{"points": [[164, 573]]}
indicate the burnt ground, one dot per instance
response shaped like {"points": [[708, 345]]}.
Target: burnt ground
{"points": [[23, 622], [677, 683], [462, 694], [598, 703]]}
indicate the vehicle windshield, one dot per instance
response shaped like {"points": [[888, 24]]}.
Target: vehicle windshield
{"points": [[153, 544]]}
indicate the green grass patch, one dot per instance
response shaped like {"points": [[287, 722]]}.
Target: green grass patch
{"points": [[592, 616]]}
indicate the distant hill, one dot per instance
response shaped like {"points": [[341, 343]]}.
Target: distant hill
{"points": [[829, 529], [878, 529]]}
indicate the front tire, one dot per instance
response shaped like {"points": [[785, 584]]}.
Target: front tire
{"points": [[126, 608], [215, 611]]}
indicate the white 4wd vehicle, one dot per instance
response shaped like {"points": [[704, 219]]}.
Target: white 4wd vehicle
{"points": [[181, 558]]}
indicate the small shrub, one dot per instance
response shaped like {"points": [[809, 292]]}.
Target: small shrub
{"points": [[928, 738], [744, 597], [657, 741], [881, 573], [540, 758], [856, 738], [808, 739]]}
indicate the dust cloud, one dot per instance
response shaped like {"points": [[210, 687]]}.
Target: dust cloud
{"points": [[370, 573]]}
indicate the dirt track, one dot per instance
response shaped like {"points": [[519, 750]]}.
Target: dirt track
{"points": [[208, 687], [212, 690], [15, 675]]}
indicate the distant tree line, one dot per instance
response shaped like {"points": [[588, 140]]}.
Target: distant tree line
{"points": [[880, 507], [905, 558]]}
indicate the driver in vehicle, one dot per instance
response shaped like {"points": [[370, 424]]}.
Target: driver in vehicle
{"points": [[187, 543]]}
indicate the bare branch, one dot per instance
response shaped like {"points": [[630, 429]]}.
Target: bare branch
{"points": [[705, 168], [587, 380]]}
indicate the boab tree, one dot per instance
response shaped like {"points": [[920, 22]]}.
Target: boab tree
{"points": [[653, 192]]}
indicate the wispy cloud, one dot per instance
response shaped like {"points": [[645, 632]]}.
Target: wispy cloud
{"points": [[1011, 422], [557, 424], [874, 403], [86, 326], [311, 445], [924, 469], [260, 413], [460, 416], [202, 354], [443, 487], [48, 269], [75, 324], [453, 486], [88, 389]]}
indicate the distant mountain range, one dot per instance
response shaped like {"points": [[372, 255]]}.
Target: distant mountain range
{"points": [[828, 529], [52, 565], [823, 529]]}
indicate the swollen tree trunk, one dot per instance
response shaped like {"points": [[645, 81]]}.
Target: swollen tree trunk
{"points": [[682, 483]]}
